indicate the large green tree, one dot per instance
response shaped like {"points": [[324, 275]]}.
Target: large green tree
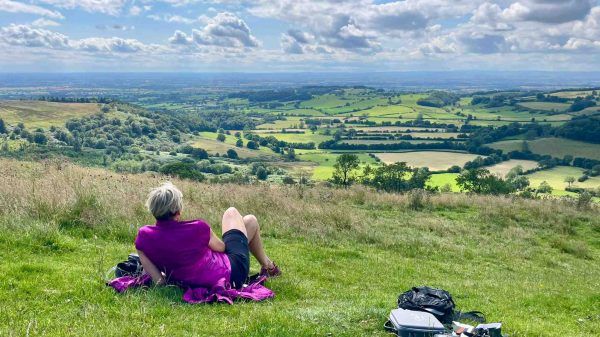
{"points": [[397, 177], [344, 167], [481, 181]]}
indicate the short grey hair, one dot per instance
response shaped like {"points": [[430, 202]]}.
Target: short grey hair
{"points": [[165, 201]]}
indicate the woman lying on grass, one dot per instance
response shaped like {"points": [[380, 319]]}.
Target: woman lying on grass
{"points": [[189, 252]]}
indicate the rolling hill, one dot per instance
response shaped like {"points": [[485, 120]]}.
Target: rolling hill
{"points": [[44, 114], [345, 256]]}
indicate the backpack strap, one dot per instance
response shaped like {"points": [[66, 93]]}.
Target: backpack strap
{"points": [[110, 274], [476, 316], [389, 327]]}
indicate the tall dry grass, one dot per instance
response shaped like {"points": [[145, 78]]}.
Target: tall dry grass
{"points": [[61, 196]]}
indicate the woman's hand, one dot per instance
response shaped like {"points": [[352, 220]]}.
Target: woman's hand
{"points": [[150, 269], [215, 243]]}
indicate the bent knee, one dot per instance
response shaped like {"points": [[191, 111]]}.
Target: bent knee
{"points": [[250, 220], [231, 211]]}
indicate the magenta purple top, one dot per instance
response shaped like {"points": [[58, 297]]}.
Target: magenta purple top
{"points": [[180, 249]]}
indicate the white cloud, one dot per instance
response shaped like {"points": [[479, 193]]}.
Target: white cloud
{"points": [[590, 27], [358, 25], [135, 10], [548, 11], [110, 7], [23, 35], [333, 33], [179, 3], [115, 27], [109, 45], [171, 18], [582, 44], [41, 22], [18, 7], [223, 30]]}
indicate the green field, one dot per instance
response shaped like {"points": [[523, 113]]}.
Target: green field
{"points": [[326, 101], [319, 164], [333, 245], [556, 147], [41, 114], [389, 141], [441, 179], [545, 106], [556, 178], [572, 94], [289, 123], [306, 137], [302, 112], [393, 129], [209, 142], [435, 160], [428, 135]]}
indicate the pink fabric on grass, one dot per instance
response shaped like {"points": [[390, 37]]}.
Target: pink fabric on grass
{"points": [[221, 292]]}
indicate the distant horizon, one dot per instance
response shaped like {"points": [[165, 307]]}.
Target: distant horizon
{"points": [[468, 81], [304, 72]]}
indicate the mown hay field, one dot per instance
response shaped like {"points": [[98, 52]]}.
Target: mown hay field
{"points": [[504, 167], [434, 160]]}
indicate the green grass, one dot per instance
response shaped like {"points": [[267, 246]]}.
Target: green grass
{"points": [[209, 142], [319, 164], [556, 178], [388, 141], [325, 101], [508, 114], [289, 123], [572, 94], [545, 106], [306, 137], [393, 129], [301, 112], [42, 114], [442, 179], [345, 256], [556, 147]]}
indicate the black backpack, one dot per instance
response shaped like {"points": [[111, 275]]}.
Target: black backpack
{"points": [[437, 302], [131, 267]]}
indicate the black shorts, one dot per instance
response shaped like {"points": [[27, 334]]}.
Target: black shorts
{"points": [[236, 248]]}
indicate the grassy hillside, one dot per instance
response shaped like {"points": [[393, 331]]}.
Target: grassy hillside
{"points": [[346, 254], [43, 114]]}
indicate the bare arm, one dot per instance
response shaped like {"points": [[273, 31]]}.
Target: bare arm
{"points": [[151, 269], [215, 243]]}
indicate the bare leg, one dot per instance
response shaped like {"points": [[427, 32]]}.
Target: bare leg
{"points": [[255, 241], [232, 219]]}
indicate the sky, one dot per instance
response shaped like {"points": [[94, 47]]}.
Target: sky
{"points": [[298, 35]]}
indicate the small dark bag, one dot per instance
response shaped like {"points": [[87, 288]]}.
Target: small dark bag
{"points": [[437, 302], [131, 267]]}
